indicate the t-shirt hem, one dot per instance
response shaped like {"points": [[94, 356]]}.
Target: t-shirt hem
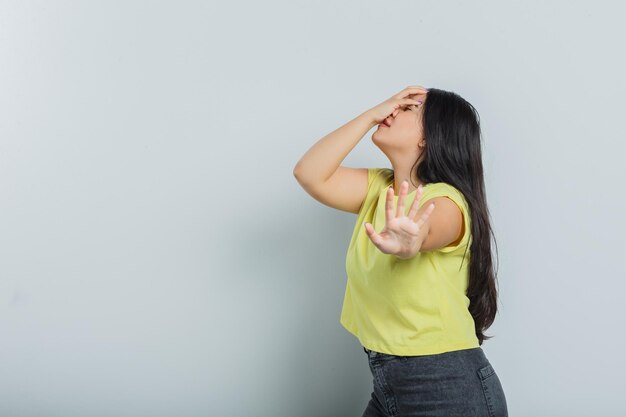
{"points": [[441, 347]]}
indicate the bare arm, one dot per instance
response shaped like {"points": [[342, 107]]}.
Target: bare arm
{"points": [[324, 157], [319, 172], [445, 226]]}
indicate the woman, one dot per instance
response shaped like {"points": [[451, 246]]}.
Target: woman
{"points": [[421, 286]]}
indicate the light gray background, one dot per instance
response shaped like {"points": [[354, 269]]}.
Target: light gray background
{"points": [[158, 258]]}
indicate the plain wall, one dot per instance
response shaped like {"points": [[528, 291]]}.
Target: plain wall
{"points": [[158, 258]]}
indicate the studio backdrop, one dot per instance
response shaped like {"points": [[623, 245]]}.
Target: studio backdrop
{"points": [[158, 257]]}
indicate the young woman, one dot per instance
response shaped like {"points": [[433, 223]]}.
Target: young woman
{"points": [[421, 287]]}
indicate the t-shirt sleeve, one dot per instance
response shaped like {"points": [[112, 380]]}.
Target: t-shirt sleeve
{"points": [[376, 179], [442, 189]]}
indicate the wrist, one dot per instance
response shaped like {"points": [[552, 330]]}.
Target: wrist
{"points": [[369, 117]]}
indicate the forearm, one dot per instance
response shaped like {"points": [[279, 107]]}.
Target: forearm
{"points": [[325, 156]]}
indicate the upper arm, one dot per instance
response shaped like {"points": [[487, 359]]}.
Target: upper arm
{"points": [[446, 227], [345, 190]]}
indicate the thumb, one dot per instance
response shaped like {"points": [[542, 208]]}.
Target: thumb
{"points": [[371, 233], [368, 229]]}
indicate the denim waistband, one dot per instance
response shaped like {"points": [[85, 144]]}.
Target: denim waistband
{"points": [[372, 354]]}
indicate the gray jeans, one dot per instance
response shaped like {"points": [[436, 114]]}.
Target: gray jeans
{"points": [[458, 383]]}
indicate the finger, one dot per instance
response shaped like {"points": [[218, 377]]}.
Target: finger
{"points": [[415, 88], [410, 101], [426, 215], [411, 90], [371, 233], [415, 205], [417, 94], [405, 104], [389, 205], [404, 187]]}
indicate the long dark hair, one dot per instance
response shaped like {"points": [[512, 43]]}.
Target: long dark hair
{"points": [[453, 155]]}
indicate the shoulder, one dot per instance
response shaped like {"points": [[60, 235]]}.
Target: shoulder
{"points": [[443, 189], [379, 177], [386, 173]]}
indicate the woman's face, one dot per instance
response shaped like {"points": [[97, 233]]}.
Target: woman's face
{"points": [[405, 129]]}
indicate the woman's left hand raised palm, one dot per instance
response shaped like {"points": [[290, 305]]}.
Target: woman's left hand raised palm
{"points": [[402, 235]]}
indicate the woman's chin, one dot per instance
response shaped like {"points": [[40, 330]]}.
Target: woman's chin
{"points": [[379, 143], [377, 137]]}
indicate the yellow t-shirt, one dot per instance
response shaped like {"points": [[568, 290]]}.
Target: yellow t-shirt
{"points": [[407, 307]]}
